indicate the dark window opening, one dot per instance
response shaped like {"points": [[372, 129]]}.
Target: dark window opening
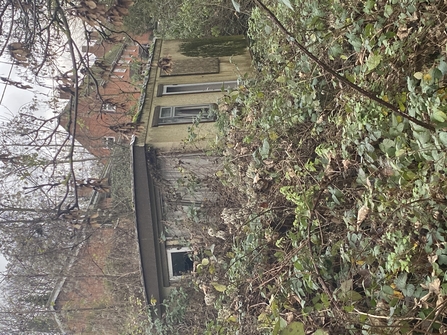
{"points": [[181, 263]]}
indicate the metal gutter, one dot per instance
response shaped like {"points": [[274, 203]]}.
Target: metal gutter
{"points": [[146, 227], [143, 191]]}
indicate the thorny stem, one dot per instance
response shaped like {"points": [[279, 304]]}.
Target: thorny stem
{"points": [[310, 245]]}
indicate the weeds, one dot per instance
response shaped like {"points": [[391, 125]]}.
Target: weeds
{"points": [[339, 225], [342, 227]]}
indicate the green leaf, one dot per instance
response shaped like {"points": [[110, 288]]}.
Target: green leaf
{"points": [[263, 318], [287, 3], [268, 29], [282, 323], [351, 296], [439, 115], [422, 136], [325, 300], [442, 260], [321, 332], [274, 306], [276, 328], [409, 290], [318, 306], [442, 67], [401, 281], [219, 287], [281, 79], [369, 30], [373, 61], [411, 8], [294, 328], [265, 149], [369, 4], [388, 146], [387, 290], [350, 77], [418, 75], [348, 309], [279, 324], [388, 10], [335, 50], [236, 5], [436, 73], [443, 137], [409, 175]]}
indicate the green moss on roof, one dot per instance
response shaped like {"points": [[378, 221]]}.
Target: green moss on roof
{"points": [[214, 46]]}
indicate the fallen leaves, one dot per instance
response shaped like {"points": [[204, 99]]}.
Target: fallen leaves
{"points": [[362, 214]]}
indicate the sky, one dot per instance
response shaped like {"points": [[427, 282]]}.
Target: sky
{"points": [[13, 99]]}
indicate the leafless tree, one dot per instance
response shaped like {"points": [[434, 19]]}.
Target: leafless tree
{"points": [[34, 34], [40, 165]]}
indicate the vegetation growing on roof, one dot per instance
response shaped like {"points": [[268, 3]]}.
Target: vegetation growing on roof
{"points": [[214, 47]]}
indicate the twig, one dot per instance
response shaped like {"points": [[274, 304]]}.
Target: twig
{"points": [[310, 244], [74, 111], [386, 317]]}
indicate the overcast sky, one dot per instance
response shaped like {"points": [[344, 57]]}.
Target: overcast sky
{"points": [[13, 99]]}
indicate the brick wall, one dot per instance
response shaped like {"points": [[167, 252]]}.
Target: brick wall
{"points": [[84, 294], [117, 88]]}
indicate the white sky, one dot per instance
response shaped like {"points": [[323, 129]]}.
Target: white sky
{"points": [[13, 99]]}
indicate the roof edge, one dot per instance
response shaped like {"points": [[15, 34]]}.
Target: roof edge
{"points": [[145, 228]]}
